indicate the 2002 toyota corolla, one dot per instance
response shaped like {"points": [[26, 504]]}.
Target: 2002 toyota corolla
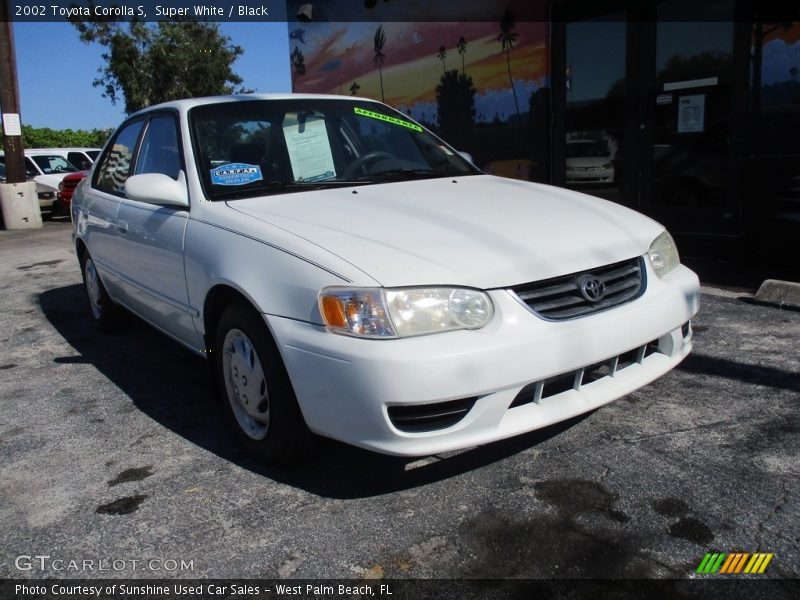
{"points": [[349, 274]]}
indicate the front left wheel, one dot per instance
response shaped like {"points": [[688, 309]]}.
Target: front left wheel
{"points": [[256, 389]]}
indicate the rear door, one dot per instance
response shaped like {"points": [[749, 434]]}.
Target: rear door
{"points": [[97, 213]]}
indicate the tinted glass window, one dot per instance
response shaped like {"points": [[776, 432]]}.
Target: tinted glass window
{"points": [[79, 160], [116, 163], [53, 163], [30, 168], [261, 147], [159, 152]]}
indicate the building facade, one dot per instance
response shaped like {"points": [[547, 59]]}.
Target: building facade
{"points": [[687, 110]]}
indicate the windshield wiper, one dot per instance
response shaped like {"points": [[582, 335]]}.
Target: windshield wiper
{"points": [[277, 186], [399, 174]]}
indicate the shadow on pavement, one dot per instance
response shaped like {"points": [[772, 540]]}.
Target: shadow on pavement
{"points": [[172, 386]]}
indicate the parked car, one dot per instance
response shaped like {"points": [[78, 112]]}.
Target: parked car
{"points": [[46, 170], [589, 161], [67, 187], [80, 158], [347, 273]]}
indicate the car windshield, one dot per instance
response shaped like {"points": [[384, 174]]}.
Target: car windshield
{"points": [[246, 148], [586, 149], [52, 163]]}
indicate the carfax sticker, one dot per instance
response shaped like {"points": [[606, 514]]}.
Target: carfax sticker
{"points": [[236, 174]]}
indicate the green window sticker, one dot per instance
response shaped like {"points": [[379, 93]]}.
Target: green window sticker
{"points": [[386, 118]]}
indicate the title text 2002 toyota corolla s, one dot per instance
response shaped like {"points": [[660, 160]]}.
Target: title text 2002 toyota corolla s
{"points": [[349, 274]]}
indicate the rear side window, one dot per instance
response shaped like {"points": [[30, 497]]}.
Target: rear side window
{"points": [[115, 165]]}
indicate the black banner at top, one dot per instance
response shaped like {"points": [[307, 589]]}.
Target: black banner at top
{"points": [[344, 11]]}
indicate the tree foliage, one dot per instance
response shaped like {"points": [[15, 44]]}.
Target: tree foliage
{"points": [[44, 137], [150, 63], [455, 99]]}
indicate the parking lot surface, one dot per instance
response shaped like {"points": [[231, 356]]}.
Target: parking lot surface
{"points": [[112, 447]]}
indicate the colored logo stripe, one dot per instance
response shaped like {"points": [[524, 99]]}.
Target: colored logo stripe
{"points": [[723, 563], [759, 562]]}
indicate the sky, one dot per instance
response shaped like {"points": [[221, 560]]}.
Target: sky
{"points": [[56, 71]]}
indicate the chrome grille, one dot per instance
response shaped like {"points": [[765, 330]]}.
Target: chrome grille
{"points": [[571, 296]]}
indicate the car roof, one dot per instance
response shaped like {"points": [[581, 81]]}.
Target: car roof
{"points": [[33, 151], [188, 103]]}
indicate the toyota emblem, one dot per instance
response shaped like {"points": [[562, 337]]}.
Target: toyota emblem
{"points": [[592, 288]]}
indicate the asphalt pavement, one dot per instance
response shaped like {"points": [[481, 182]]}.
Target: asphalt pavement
{"points": [[112, 448]]}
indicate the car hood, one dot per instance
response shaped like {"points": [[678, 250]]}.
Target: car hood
{"points": [[588, 161], [479, 231], [49, 181]]}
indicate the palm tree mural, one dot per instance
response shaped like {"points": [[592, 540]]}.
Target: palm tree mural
{"points": [[507, 38], [462, 50], [380, 41], [298, 61], [354, 88], [441, 56]]}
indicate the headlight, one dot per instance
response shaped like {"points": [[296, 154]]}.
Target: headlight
{"points": [[663, 254], [406, 312]]}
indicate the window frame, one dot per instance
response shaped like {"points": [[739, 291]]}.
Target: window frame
{"points": [[172, 113]]}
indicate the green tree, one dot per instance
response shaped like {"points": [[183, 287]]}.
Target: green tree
{"points": [[44, 137], [298, 62], [462, 50], [378, 44], [455, 100], [507, 38], [146, 64], [441, 55]]}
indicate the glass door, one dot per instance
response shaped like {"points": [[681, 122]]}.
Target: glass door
{"points": [[644, 108], [690, 183], [591, 131]]}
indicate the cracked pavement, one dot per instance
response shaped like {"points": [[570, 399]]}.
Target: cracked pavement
{"points": [[112, 448]]}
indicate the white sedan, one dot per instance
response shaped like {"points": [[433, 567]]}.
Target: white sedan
{"points": [[349, 274]]}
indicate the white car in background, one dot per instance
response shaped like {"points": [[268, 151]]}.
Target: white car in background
{"points": [[589, 161], [347, 273], [80, 158], [46, 169]]}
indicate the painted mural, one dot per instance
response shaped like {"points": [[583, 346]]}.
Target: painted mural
{"points": [[482, 86]]}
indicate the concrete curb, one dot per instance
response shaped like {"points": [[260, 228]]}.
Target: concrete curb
{"points": [[784, 294]]}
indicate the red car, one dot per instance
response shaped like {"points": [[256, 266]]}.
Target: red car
{"points": [[66, 189]]}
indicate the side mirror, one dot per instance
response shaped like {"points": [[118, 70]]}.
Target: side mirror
{"points": [[157, 188], [466, 156]]}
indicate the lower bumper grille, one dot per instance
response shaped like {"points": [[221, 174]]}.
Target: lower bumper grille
{"points": [[581, 378], [430, 417]]}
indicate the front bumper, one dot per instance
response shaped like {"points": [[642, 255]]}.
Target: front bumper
{"points": [[345, 386], [590, 175]]}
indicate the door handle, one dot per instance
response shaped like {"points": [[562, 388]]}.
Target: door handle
{"points": [[123, 227]]}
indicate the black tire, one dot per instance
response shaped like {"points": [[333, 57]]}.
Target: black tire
{"points": [[268, 422], [106, 314]]}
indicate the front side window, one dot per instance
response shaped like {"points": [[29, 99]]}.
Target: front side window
{"points": [[115, 164], [79, 160], [30, 168], [159, 152], [248, 148]]}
